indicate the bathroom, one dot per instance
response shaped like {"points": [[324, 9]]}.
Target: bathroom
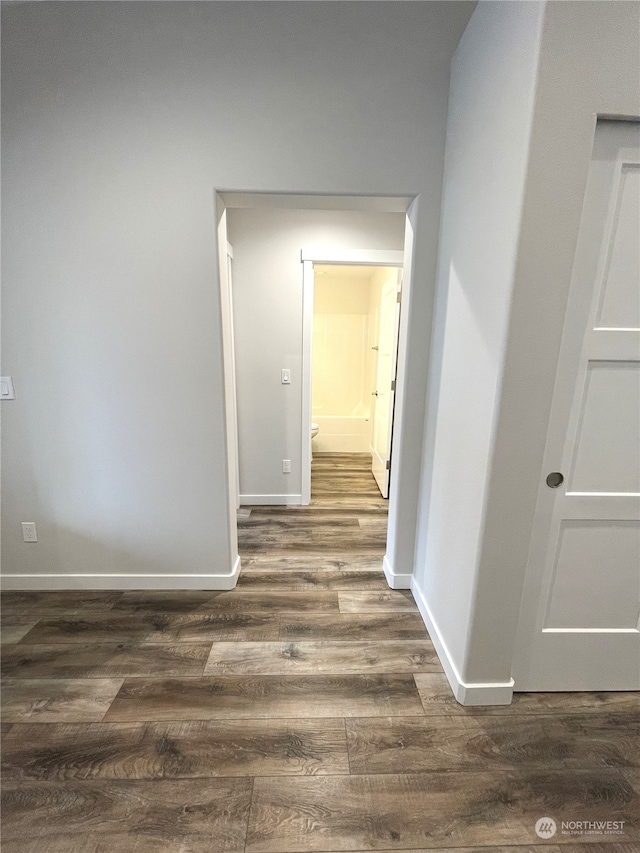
{"points": [[352, 360]]}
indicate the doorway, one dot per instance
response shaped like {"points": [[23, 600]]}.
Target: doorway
{"points": [[354, 354], [267, 231], [351, 306]]}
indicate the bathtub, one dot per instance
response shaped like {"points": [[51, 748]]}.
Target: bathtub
{"points": [[342, 434]]}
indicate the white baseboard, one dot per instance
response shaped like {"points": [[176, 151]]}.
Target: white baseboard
{"points": [[466, 693], [96, 581], [270, 500], [395, 581]]}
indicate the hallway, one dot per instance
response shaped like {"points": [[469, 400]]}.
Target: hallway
{"points": [[347, 518], [305, 710]]}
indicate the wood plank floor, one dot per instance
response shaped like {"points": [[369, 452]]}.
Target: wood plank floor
{"points": [[304, 712]]}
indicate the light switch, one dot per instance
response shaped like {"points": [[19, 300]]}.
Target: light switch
{"points": [[285, 376], [6, 388]]}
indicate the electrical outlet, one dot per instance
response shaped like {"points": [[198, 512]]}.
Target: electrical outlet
{"points": [[286, 466], [29, 531]]}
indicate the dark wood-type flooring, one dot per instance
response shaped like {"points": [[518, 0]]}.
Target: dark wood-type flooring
{"points": [[305, 710]]}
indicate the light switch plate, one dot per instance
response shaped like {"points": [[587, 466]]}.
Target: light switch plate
{"points": [[6, 388], [285, 376]]}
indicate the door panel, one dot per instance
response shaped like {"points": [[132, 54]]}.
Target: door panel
{"points": [[382, 427], [579, 623], [607, 449], [585, 552], [620, 304]]}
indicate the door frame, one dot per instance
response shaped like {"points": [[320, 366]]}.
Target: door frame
{"points": [[232, 356], [328, 256], [398, 562]]}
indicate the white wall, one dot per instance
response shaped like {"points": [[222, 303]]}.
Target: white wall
{"points": [[118, 122], [515, 174], [491, 99], [267, 293], [589, 66]]}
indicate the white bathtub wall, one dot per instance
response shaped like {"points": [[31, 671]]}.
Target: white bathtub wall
{"points": [[340, 363], [342, 434], [345, 332], [341, 352]]}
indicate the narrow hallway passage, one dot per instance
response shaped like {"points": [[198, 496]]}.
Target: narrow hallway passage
{"points": [[332, 551], [347, 518]]}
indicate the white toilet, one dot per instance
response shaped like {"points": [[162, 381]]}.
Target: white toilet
{"points": [[314, 430]]}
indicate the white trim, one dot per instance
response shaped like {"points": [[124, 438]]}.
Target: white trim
{"points": [[150, 582], [232, 352], [590, 631], [354, 257], [466, 693], [307, 369], [229, 378], [394, 580], [270, 500], [315, 201]]}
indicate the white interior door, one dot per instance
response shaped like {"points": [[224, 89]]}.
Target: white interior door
{"points": [[382, 426], [579, 624]]}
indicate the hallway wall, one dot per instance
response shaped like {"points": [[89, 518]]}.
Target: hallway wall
{"points": [[118, 121], [528, 82], [488, 130], [589, 66]]}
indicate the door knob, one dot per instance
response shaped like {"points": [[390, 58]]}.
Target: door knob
{"points": [[555, 479]]}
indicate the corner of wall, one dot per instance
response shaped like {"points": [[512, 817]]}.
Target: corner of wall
{"points": [[395, 580], [466, 693]]}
